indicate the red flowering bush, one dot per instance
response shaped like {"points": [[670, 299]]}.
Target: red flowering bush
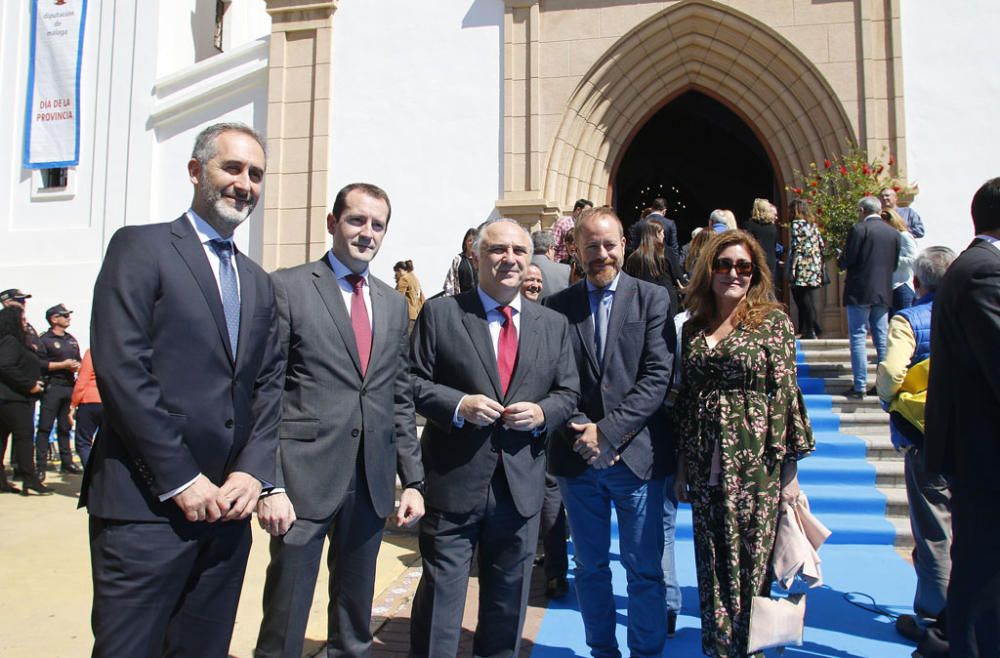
{"points": [[833, 191]]}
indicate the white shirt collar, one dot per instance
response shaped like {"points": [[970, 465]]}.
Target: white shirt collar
{"points": [[490, 304]]}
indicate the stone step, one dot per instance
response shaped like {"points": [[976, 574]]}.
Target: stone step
{"points": [[837, 355], [889, 473], [831, 370]]}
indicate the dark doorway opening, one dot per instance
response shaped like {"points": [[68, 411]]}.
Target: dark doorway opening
{"points": [[698, 155]]}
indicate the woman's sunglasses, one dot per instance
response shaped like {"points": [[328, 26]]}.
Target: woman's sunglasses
{"points": [[726, 265]]}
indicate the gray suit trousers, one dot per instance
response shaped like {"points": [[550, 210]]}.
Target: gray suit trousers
{"points": [[355, 533], [930, 519]]}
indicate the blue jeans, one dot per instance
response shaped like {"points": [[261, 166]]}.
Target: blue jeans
{"points": [[861, 317], [639, 507], [673, 588]]}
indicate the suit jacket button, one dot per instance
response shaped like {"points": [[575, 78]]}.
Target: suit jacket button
{"points": [[229, 424], [354, 432]]}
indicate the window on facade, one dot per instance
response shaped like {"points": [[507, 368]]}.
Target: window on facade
{"points": [[54, 178]]}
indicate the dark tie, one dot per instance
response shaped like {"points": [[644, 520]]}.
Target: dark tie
{"points": [[229, 289], [601, 311], [359, 321], [506, 348]]}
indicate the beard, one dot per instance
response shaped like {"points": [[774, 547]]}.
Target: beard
{"points": [[603, 276], [224, 214]]}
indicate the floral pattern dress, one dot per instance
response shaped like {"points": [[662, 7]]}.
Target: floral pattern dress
{"points": [[807, 255], [743, 396]]}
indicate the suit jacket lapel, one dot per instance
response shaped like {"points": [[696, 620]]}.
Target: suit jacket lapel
{"points": [[380, 322], [248, 302], [619, 309], [527, 347], [585, 328], [191, 249], [474, 319], [329, 291]]}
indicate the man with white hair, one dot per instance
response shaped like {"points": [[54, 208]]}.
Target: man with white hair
{"points": [[928, 494], [869, 257]]}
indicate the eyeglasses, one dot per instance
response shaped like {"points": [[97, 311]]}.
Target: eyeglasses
{"points": [[726, 265]]}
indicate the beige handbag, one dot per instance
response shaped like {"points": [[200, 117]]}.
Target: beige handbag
{"points": [[776, 622]]}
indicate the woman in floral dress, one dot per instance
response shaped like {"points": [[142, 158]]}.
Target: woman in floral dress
{"points": [[805, 265], [743, 427]]}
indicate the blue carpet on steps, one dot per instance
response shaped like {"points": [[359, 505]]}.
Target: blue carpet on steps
{"points": [[858, 557]]}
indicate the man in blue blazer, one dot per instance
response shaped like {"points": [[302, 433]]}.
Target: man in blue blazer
{"points": [[185, 348], [616, 448]]}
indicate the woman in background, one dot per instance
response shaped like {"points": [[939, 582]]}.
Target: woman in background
{"points": [[463, 274], [651, 262], [805, 265], [407, 283], [85, 408], [742, 427], [762, 227], [19, 385], [902, 288]]}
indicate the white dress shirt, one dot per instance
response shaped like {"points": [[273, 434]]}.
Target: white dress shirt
{"points": [[341, 271]]}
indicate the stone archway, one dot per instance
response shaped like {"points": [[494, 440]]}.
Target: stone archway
{"points": [[703, 45]]}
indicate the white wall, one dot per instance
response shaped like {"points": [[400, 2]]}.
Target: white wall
{"points": [[951, 92], [416, 109], [191, 27]]}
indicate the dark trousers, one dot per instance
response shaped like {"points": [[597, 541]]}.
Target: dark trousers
{"points": [[553, 531], [355, 532], [506, 542], [166, 590], [17, 420], [974, 590], [805, 300], [88, 421], [55, 407], [929, 497]]}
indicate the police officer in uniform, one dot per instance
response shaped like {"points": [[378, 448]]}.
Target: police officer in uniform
{"points": [[60, 357]]}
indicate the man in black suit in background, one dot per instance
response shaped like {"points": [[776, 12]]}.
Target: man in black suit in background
{"points": [[870, 255], [962, 438], [185, 348], [491, 373], [618, 448]]}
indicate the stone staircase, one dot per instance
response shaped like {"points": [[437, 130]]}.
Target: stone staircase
{"points": [[825, 367]]}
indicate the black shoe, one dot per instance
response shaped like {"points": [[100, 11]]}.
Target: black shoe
{"points": [[539, 560], [871, 391], [71, 468], [40, 474], [671, 624], [851, 394], [808, 336], [8, 487], [556, 588], [34, 484], [910, 628]]}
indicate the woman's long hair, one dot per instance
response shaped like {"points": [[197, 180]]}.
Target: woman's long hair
{"points": [[893, 219], [471, 232], [647, 262], [761, 212], [12, 322], [759, 300], [800, 209], [698, 242]]}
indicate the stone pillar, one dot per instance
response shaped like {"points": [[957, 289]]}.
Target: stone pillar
{"points": [[296, 188], [523, 153]]}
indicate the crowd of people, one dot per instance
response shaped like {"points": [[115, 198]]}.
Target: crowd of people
{"points": [[47, 372], [561, 374]]}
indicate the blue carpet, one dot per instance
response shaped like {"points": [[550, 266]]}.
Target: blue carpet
{"points": [[858, 557]]}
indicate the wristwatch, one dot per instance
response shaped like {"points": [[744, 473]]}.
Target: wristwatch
{"points": [[419, 485]]}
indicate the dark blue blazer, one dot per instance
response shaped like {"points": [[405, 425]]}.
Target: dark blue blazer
{"points": [[176, 403], [623, 395], [870, 256]]}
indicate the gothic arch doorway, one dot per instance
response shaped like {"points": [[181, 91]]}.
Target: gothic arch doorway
{"points": [[699, 155]]}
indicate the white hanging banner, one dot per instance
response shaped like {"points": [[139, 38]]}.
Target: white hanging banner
{"points": [[52, 113]]}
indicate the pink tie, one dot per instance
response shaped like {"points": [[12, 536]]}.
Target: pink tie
{"points": [[359, 321], [506, 348]]}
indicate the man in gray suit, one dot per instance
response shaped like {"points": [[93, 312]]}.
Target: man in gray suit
{"points": [[347, 422], [618, 448], [555, 276], [490, 374]]}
